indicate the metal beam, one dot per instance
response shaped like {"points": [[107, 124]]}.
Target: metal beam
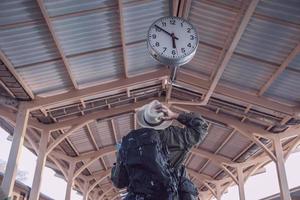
{"points": [[114, 131], [82, 120], [120, 6], [12, 70], [103, 176], [117, 85], [15, 151], [281, 68], [199, 85], [92, 158], [57, 42], [282, 178], [230, 121], [226, 53]]}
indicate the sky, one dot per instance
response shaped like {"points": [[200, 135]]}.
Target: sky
{"points": [[256, 187]]}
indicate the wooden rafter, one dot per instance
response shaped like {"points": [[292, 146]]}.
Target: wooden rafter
{"points": [[14, 72], [121, 18], [281, 68], [57, 42]]}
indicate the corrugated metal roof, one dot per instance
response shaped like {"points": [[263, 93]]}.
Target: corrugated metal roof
{"points": [[210, 169], [16, 11], [138, 17], [196, 162], [28, 44], [205, 60], [234, 146], [81, 141], [295, 64], [103, 134], [110, 160], [95, 166], [97, 68], [88, 32], [46, 79], [268, 41], [286, 87], [285, 10], [124, 124], [246, 74], [213, 24], [139, 60], [58, 7], [215, 138]]}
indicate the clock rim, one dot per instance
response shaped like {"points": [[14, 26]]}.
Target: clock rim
{"points": [[167, 60]]}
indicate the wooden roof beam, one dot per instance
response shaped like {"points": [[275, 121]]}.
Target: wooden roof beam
{"points": [[227, 53], [14, 72], [121, 16], [121, 84], [57, 42], [281, 68]]}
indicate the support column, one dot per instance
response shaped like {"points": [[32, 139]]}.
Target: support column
{"points": [[40, 164], [241, 182], [281, 173], [86, 189], [15, 151], [218, 191], [70, 181]]}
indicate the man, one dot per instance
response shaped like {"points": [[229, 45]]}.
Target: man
{"points": [[150, 160]]}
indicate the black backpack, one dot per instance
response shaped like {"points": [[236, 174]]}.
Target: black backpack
{"points": [[146, 164]]}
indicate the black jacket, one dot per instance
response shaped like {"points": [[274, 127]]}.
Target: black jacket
{"points": [[177, 142]]}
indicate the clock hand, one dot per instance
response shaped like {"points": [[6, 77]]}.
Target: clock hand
{"points": [[173, 41], [166, 32]]}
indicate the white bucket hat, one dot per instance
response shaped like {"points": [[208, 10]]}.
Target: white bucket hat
{"points": [[149, 117]]}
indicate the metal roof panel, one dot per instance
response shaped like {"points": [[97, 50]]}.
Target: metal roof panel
{"points": [[26, 45], [96, 68], [88, 32]]}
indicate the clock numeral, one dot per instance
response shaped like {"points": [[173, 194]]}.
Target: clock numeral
{"points": [[157, 44], [192, 37], [181, 24], [165, 49], [172, 21], [188, 30], [173, 52], [157, 29], [189, 45], [164, 24], [153, 36], [183, 50]]}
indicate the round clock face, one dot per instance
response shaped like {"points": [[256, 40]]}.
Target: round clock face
{"points": [[172, 41]]}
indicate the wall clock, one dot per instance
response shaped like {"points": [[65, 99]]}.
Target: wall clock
{"points": [[172, 41]]}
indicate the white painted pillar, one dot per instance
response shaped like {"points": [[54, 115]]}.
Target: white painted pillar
{"points": [[281, 173], [70, 181], [218, 191], [15, 151], [40, 164], [241, 182], [86, 189]]}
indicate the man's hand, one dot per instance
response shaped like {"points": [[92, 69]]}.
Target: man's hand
{"points": [[168, 114]]}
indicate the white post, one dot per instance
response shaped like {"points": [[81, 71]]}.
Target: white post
{"points": [[15, 151], [218, 191], [40, 164], [281, 173], [241, 182], [86, 189], [70, 181]]}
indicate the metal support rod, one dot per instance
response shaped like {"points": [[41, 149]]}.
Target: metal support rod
{"points": [[15, 151], [40, 165]]}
